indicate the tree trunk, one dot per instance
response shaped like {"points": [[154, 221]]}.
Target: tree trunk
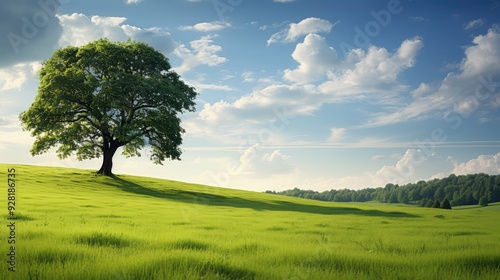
{"points": [[107, 161]]}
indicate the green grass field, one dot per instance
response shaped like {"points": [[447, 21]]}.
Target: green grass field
{"points": [[75, 225]]}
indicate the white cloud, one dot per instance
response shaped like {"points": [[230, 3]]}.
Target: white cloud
{"points": [[364, 72], [226, 77], [260, 105], [336, 134], [323, 183], [35, 68], [203, 52], [304, 27], [378, 157], [207, 26], [262, 78], [257, 168], [489, 164], [419, 19], [374, 71], [12, 134], [483, 57], [248, 77], [284, 1], [467, 106], [13, 77], [403, 172], [422, 90], [260, 116], [201, 84], [412, 166], [315, 58], [254, 162], [299, 100], [128, 2], [460, 93], [78, 29], [155, 37], [261, 167], [212, 112], [474, 23], [200, 87]]}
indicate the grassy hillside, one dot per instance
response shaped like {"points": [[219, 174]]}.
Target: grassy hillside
{"points": [[75, 225]]}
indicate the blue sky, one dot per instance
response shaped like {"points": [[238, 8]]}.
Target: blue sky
{"points": [[293, 93]]}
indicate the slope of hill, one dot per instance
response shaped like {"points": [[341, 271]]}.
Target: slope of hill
{"points": [[72, 224]]}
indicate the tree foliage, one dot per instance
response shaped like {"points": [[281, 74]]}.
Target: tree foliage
{"points": [[446, 204], [99, 97], [453, 191], [483, 201], [436, 204]]}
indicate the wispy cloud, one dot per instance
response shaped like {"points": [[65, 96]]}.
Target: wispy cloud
{"points": [[419, 19], [202, 86], [363, 143], [378, 157], [474, 23], [207, 26], [128, 2]]}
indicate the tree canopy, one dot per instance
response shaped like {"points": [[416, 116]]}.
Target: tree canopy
{"points": [[105, 95]]}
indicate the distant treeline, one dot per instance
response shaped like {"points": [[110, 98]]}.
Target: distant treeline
{"points": [[457, 190]]}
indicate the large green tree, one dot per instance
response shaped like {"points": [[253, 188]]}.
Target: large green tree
{"points": [[105, 95]]}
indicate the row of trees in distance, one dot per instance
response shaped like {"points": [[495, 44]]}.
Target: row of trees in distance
{"points": [[457, 190]]}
